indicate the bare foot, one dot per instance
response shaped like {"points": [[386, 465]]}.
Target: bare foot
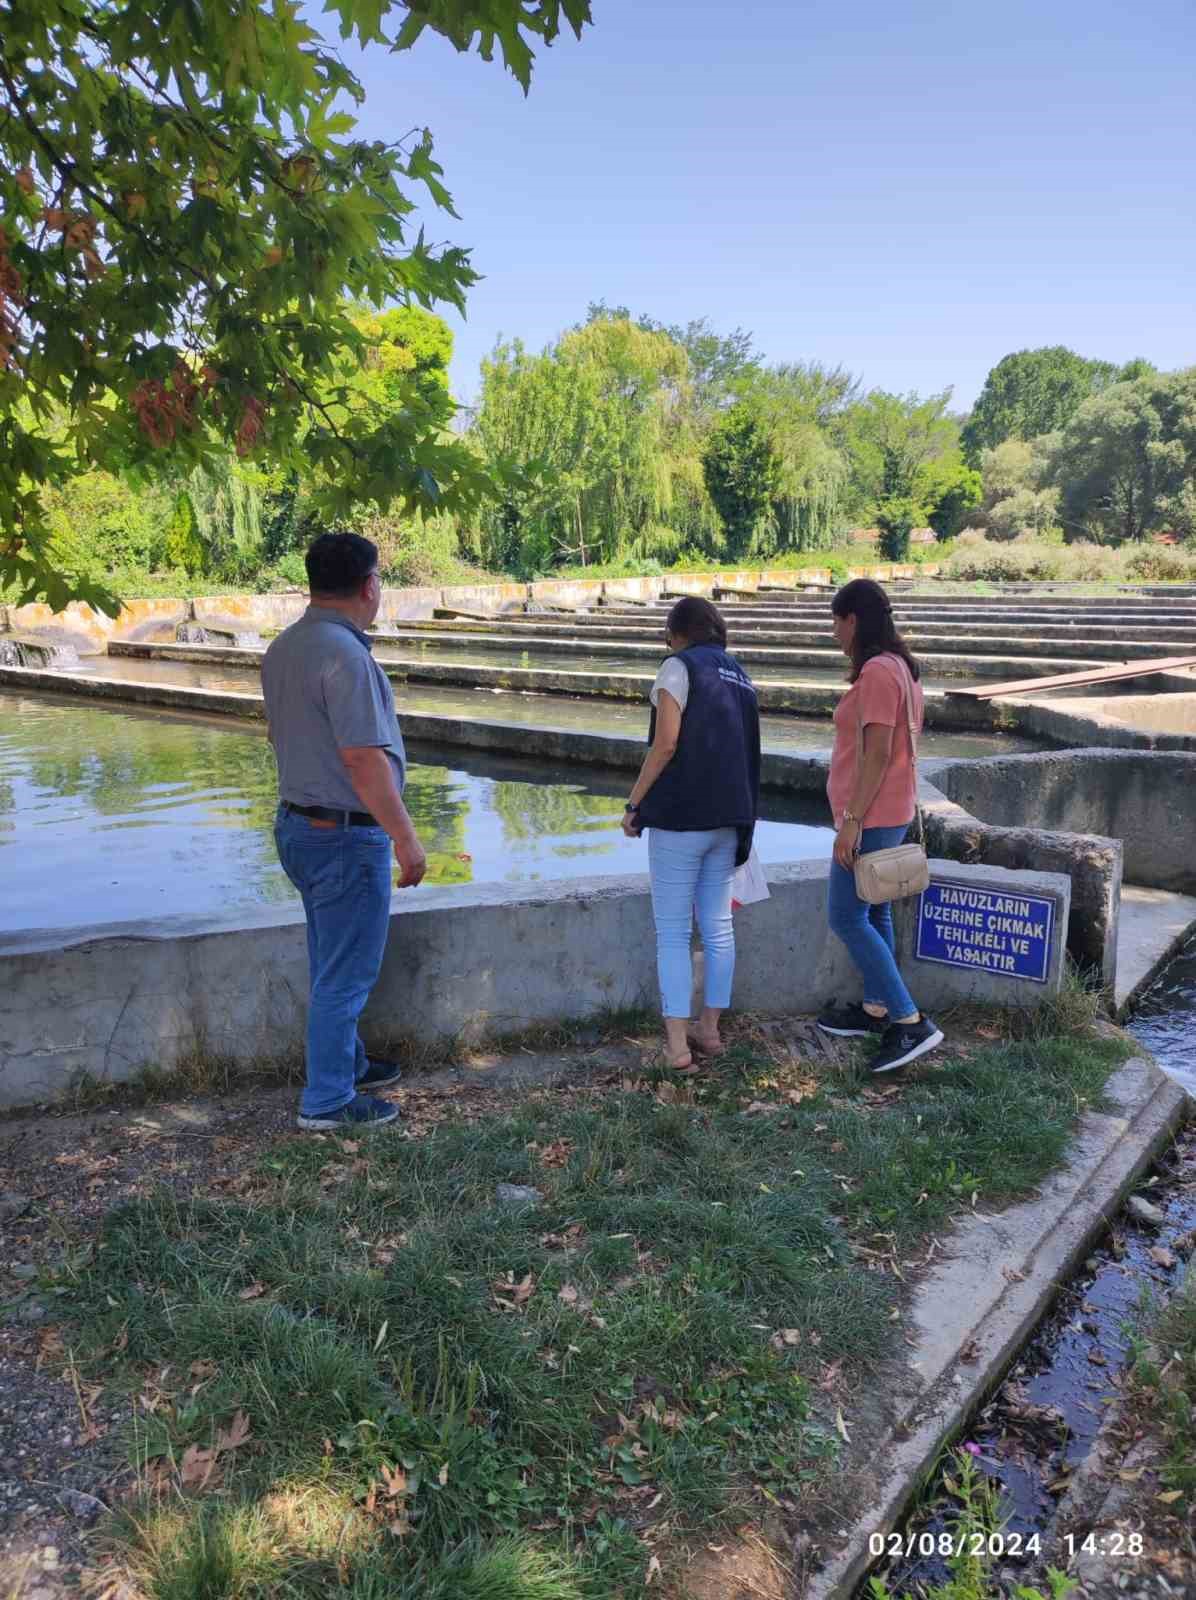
{"points": [[680, 1061], [709, 1044]]}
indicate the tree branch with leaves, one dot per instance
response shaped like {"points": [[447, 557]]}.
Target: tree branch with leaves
{"points": [[188, 217]]}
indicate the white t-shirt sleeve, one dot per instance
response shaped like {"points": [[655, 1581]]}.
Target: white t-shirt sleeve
{"points": [[674, 677]]}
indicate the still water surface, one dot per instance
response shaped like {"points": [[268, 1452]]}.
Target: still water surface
{"points": [[588, 715], [110, 815]]}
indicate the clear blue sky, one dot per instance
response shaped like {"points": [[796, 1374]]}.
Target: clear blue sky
{"points": [[910, 187]]}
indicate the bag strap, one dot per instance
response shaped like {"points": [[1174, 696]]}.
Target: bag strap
{"points": [[908, 683], [911, 722]]}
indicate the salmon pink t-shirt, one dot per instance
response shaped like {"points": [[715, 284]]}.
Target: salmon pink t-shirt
{"points": [[877, 695]]}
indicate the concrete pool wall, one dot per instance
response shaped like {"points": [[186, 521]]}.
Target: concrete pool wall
{"points": [[85, 627], [1093, 864], [462, 965], [1145, 799]]}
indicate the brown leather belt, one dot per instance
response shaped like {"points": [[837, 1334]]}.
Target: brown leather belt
{"points": [[347, 819]]}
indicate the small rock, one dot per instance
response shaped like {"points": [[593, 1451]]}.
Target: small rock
{"points": [[29, 1312], [84, 1506], [1092, 1264], [13, 1205], [1142, 1211], [24, 1270], [517, 1194]]}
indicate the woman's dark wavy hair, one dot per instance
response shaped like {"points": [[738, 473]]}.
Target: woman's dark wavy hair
{"points": [[875, 631], [698, 621]]}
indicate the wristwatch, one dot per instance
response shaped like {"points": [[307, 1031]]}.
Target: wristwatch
{"points": [[630, 806]]}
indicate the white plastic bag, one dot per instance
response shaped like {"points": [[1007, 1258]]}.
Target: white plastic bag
{"points": [[749, 885]]}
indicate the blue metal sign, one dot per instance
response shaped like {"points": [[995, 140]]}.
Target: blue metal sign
{"points": [[998, 931]]}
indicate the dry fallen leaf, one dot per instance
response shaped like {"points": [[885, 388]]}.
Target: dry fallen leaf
{"points": [[254, 1292], [511, 1295], [841, 1427], [653, 1571], [1161, 1256], [557, 1153], [235, 1435], [568, 1294], [196, 1467], [970, 1351]]}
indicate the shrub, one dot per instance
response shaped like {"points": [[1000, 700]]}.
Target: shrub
{"points": [[1030, 511], [1030, 560], [1089, 563], [1160, 563], [980, 561]]}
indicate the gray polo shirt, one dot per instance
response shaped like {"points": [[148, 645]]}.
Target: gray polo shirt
{"points": [[324, 692]]}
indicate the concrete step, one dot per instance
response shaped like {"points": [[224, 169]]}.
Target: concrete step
{"points": [[1153, 922]]}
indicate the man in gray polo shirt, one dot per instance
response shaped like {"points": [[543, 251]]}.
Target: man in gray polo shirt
{"points": [[341, 771]]}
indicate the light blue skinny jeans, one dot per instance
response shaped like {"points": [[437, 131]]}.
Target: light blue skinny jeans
{"points": [[343, 876], [867, 930], [692, 872]]}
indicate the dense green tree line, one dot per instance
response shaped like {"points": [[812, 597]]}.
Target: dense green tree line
{"points": [[629, 441]]}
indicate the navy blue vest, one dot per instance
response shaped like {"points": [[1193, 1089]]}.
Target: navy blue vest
{"points": [[713, 779]]}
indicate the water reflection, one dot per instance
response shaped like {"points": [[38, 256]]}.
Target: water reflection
{"points": [[595, 715], [112, 815]]}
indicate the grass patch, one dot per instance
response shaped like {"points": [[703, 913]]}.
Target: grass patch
{"points": [[1165, 1379], [376, 1378]]}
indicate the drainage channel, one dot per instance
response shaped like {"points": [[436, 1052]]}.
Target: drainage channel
{"points": [[1036, 1429]]}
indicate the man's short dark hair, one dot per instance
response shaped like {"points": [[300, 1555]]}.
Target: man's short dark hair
{"points": [[339, 563]]}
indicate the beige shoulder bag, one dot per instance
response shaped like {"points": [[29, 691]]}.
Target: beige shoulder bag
{"points": [[884, 875]]}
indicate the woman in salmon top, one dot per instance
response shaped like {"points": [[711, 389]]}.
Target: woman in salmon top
{"points": [[873, 803]]}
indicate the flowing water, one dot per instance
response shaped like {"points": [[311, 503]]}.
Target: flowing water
{"points": [[1042, 1421], [1164, 1019], [111, 815]]}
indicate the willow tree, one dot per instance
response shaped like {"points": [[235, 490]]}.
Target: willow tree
{"points": [[773, 464], [587, 421], [185, 209]]}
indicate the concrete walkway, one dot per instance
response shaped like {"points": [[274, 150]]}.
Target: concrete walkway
{"points": [[1152, 923]]}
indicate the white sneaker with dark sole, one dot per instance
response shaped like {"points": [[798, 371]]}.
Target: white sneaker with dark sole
{"points": [[904, 1042]]}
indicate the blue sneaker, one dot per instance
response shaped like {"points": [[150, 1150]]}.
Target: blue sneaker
{"points": [[379, 1074], [363, 1111]]}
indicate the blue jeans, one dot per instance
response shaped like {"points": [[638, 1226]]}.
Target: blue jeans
{"points": [[343, 876], [867, 930], [692, 871]]}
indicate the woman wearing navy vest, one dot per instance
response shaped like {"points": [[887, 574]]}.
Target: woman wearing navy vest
{"points": [[697, 793]]}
